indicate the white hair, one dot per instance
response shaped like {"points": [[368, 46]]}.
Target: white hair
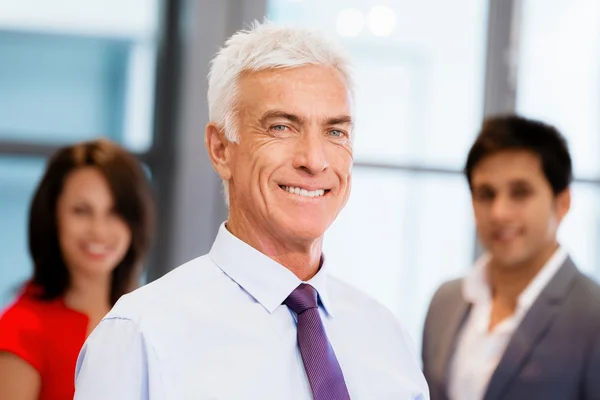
{"points": [[265, 46]]}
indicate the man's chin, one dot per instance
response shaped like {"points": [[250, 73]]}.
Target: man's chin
{"points": [[510, 261], [306, 235], [298, 230]]}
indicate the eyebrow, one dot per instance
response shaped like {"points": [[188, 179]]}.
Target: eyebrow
{"points": [[342, 119], [511, 183], [520, 181], [281, 114]]}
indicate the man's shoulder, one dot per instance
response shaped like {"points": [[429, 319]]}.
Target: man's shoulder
{"points": [[585, 292], [572, 287], [189, 279], [448, 290], [347, 297], [379, 322], [351, 295], [448, 296]]}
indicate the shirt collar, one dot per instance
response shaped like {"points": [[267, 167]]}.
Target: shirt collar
{"points": [[269, 282], [533, 290], [476, 288], [319, 282]]}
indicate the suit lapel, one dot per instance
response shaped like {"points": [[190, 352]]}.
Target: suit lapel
{"points": [[532, 329], [458, 314]]}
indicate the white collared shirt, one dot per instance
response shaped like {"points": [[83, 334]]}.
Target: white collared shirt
{"points": [[215, 328], [479, 351]]}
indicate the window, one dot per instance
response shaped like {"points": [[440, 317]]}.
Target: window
{"points": [[18, 179], [408, 224], [558, 82], [400, 236], [580, 231], [73, 72], [69, 71]]}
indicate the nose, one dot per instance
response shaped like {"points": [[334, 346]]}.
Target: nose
{"points": [[310, 153], [502, 208], [99, 227]]}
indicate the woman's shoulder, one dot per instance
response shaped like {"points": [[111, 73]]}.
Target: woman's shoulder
{"points": [[22, 328], [28, 305], [25, 306], [32, 312]]}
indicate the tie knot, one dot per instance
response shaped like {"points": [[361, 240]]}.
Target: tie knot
{"points": [[304, 297]]}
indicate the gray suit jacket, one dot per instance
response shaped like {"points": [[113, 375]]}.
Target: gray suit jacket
{"points": [[553, 355]]}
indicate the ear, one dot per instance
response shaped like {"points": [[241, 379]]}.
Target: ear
{"points": [[563, 203], [218, 151]]}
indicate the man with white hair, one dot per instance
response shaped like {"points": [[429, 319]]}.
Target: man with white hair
{"points": [[258, 317]]}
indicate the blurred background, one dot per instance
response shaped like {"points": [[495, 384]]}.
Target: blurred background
{"points": [[427, 73]]}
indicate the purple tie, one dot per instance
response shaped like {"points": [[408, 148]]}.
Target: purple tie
{"points": [[322, 368]]}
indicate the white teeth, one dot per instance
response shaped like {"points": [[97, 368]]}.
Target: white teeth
{"points": [[304, 192], [506, 234], [96, 248]]}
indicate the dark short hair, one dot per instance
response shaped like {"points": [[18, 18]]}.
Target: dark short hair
{"points": [[512, 132], [133, 202]]}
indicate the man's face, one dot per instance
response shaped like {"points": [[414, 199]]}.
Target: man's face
{"points": [[290, 173], [516, 212]]}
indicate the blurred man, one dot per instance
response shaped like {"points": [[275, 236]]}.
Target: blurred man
{"points": [[258, 317], [525, 323]]}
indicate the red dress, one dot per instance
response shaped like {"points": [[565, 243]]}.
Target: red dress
{"points": [[48, 335]]}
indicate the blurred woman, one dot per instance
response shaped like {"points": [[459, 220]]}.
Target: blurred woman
{"points": [[90, 226]]}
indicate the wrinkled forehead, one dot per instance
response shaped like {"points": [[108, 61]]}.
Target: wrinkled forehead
{"points": [[313, 89]]}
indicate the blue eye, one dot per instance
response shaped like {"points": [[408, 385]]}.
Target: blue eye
{"points": [[337, 133], [279, 128]]}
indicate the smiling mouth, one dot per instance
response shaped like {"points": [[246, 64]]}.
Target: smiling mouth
{"points": [[303, 192], [97, 249], [506, 235]]}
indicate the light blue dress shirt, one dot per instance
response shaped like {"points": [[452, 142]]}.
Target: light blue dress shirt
{"points": [[215, 328]]}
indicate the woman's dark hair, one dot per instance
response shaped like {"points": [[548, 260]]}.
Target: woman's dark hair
{"points": [[512, 132], [133, 202]]}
